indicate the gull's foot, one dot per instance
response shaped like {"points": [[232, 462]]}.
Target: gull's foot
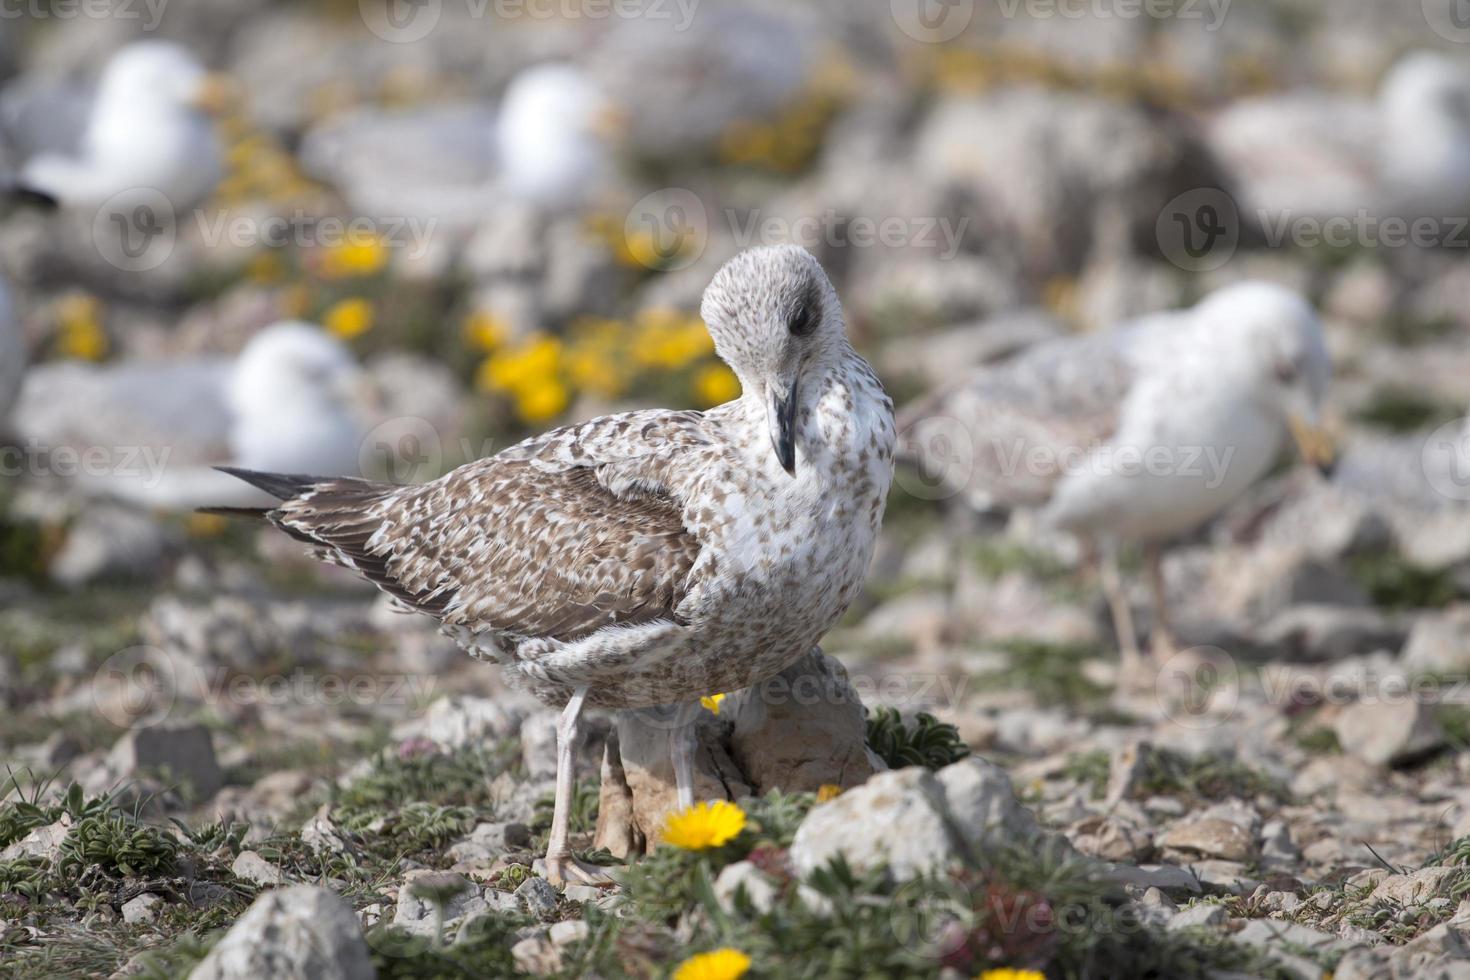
{"points": [[563, 869]]}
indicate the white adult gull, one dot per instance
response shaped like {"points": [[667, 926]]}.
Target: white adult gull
{"points": [[147, 130], [652, 557], [1139, 435]]}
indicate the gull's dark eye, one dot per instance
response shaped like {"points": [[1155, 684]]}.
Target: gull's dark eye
{"points": [[1286, 372], [807, 313]]}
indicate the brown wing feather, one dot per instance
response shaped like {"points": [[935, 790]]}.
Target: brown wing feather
{"points": [[509, 546]]}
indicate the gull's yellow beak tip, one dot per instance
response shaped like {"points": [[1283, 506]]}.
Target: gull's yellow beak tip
{"points": [[217, 94], [1316, 443]]}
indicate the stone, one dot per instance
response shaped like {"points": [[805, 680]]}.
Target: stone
{"points": [[489, 841], [1110, 839], [428, 901], [745, 876], [322, 835], [1439, 642], [1388, 732], [462, 721], [252, 867], [142, 908], [1417, 886], [538, 897], [915, 821], [107, 540], [1127, 771], [301, 931], [1209, 837], [538, 744], [1327, 633], [1202, 916], [42, 842], [801, 729], [179, 752], [1169, 879]]}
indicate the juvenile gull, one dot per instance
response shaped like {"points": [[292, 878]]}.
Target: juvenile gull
{"points": [[1139, 435], [147, 129], [651, 557]]}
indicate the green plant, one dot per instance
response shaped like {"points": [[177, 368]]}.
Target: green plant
{"points": [[927, 742], [119, 844]]}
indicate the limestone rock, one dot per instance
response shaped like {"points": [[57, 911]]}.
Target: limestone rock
{"points": [[303, 931], [1388, 732]]}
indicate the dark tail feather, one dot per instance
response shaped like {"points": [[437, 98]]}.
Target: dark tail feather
{"points": [[248, 513], [282, 486]]}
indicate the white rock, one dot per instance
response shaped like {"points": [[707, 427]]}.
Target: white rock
{"points": [[303, 931], [1387, 732], [744, 876], [252, 867], [142, 908], [1202, 916], [538, 897]]}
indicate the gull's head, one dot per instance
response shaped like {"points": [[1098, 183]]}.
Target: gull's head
{"points": [[553, 128], [294, 367], [1427, 86], [162, 74], [775, 320], [1278, 339]]}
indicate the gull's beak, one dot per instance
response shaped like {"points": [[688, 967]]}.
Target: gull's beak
{"points": [[781, 414], [1315, 443], [216, 94], [610, 121]]}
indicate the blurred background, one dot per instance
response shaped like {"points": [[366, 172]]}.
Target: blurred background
{"points": [[383, 239]]}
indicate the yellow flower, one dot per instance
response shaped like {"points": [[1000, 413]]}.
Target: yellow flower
{"points": [[712, 702], [358, 257], [539, 402], [827, 792], [716, 384], [669, 339], [200, 525], [79, 319], [265, 268], [349, 318], [523, 366], [704, 825], [485, 331], [1010, 973], [595, 371], [719, 964]]}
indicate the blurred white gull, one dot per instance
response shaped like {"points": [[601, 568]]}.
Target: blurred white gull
{"points": [[153, 429], [456, 164], [1139, 435], [146, 128], [1317, 155]]}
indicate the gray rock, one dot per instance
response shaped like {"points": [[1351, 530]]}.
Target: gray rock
{"points": [[801, 729], [107, 540], [142, 908], [429, 901], [322, 835], [302, 931], [490, 840], [1201, 916], [252, 867], [1439, 642], [1416, 887], [43, 842], [1170, 879], [1208, 837], [462, 720], [538, 897], [1328, 633], [538, 744], [1388, 732], [1127, 771], [180, 752]]}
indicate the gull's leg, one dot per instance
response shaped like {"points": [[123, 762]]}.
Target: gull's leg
{"points": [[1162, 645], [1112, 586], [561, 867], [683, 741]]}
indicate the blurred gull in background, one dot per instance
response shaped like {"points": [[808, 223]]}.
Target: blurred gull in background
{"points": [[1139, 435], [287, 401], [546, 145], [148, 127], [1317, 155]]}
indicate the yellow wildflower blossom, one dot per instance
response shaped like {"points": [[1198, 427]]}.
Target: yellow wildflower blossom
{"points": [[704, 825], [1010, 973], [79, 318], [200, 525], [715, 384], [362, 256], [828, 792], [542, 400], [719, 964], [712, 702], [349, 318], [485, 331]]}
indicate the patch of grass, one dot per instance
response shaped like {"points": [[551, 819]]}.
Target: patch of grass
{"points": [[995, 559], [1392, 582], [927, 742], [1209, 777], [1454, 720], [1051, 672], [1398, 408], [1317, 739]]}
